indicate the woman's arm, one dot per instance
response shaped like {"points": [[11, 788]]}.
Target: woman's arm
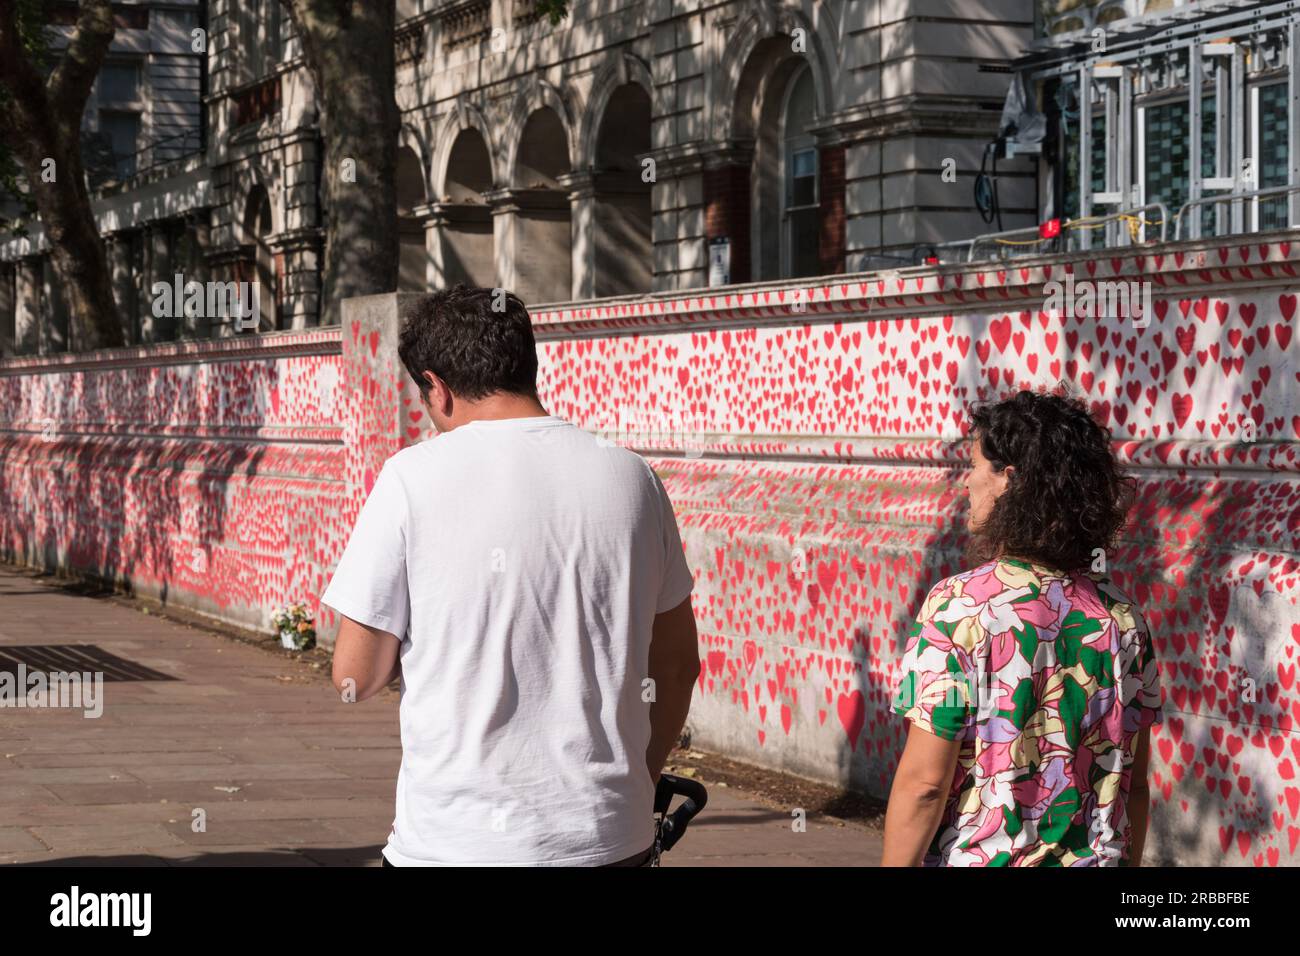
{"points": [[1139, 798], [918, 795]]}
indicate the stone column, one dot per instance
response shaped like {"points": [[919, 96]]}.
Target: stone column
{"points": [[193, 265], [8, 306], [155, 328], [431, 219], [686, 211], [531, 227], [54, 315], [224, 265], [459, 244], [27, 311], [413, 266], [297, 256], [582, 204], [120, 274], [505, 230]]}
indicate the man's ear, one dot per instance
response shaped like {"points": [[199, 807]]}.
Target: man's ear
{"points": [[437, 394]]}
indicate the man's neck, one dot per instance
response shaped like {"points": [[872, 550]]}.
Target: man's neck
{"points": [[497, 407]]}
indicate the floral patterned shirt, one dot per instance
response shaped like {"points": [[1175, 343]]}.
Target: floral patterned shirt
{"points": [[1046, 678]]}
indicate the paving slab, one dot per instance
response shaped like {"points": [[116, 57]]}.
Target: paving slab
{"points": [[286, 774]]}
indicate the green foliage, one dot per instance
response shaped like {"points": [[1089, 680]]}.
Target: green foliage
{"points": [[553, 10], [32, 17]]}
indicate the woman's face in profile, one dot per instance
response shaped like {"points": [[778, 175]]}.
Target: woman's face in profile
{"points": [[983, 485]]}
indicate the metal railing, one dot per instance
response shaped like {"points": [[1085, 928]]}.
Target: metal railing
{"points": [[1253, 194], [1134, 219], [1028, 240], [166, 150]]}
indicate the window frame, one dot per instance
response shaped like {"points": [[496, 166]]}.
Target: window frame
{"points": [[790, 145], [1253, 115]]}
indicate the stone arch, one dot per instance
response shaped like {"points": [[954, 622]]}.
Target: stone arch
{"points": [[617, 234], [413, 138], [738, 78], [542, 155], [540, 213], [258, 261], [462, 245], [750, 92], [538, 95], [412, 196], [618, 71], [252, 176], [464, 116]]}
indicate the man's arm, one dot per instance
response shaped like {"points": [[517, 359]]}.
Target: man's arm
{"points": [[1139, 798], [367, 656], [917, 797], [674, 668]]}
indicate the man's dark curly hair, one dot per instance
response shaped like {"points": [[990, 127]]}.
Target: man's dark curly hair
{"points": [[475, 349], [1066, 497]]}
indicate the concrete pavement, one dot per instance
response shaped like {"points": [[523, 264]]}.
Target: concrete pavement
{"points": [[257, 747]]}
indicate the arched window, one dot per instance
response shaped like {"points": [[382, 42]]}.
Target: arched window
{"points": [[543, 229], [412, 266], [799, 206], [621, 218], [260, 25], [259, 262], [776, 107], [467, 243]]}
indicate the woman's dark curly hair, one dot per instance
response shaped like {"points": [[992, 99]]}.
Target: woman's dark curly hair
{"points": [[1066, 497]]}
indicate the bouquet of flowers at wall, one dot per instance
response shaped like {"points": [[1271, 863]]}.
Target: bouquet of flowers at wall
{"points": [[295, 627]]}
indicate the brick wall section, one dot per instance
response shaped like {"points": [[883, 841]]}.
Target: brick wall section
{"points": [[831, 180], [726, 213]]}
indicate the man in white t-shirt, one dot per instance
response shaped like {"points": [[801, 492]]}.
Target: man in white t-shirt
{"points": [[527, 582]]}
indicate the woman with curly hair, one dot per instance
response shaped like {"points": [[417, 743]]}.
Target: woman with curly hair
{"points": [[1029, 681]]}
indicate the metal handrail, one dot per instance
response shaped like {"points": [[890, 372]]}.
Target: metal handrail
{"points": [[182, 149], [1004, 238], [1132, 215], [1228, 197]]}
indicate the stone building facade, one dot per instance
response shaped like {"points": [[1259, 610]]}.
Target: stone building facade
{"points": [[636, 147], [143, 134]]}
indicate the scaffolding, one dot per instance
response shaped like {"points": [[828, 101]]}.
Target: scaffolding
{"points": [[1226, 50]]}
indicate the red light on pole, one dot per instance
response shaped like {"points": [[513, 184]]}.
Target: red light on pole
{"points": [[1050, 229]]}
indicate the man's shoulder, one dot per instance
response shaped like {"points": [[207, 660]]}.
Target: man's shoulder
{"points": [[584, 450], [608, 451], [409, 458]]}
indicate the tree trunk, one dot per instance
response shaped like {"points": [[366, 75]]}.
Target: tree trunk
{"points": [[45, 119], [349, 51]]}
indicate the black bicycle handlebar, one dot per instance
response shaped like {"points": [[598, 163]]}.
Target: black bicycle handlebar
{"points": [[695, 798]]}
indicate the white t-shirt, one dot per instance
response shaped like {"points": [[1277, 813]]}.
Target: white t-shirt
{"points": [[521, 562]]}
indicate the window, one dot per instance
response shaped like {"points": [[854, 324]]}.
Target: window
{"points": [[123, 132], [1272, 162], [119, 83], [1096, 151], [800, 253], [1165, 158], [260, 27]]}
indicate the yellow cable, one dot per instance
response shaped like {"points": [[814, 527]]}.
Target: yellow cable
{"points": [[1133, 223]]}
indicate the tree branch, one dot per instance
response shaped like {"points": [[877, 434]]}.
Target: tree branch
{"points": [[22, 81], [70, 83]]}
